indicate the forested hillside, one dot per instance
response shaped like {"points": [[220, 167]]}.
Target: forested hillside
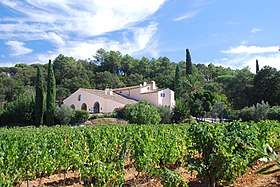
{"points": [[201, 87]]}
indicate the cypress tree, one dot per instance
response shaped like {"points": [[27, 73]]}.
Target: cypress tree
{"points": [[188, 62], [257, 66], [39, 99], [51, 95], [177, 82]]}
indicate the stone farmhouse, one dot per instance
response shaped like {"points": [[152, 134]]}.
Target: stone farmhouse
{"points": [[104, 101]]}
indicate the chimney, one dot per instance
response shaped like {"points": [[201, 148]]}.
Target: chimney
{"points": [[106, 91], [154, 85], [111, 92]]}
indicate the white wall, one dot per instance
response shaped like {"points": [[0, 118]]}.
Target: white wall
{"points": [[89, 99]]}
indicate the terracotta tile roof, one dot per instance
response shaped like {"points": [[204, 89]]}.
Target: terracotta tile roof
{"points": [[115, 97]]}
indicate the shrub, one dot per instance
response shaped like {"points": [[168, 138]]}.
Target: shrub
{"points": [[63, 114], [80, 116], [19, 112], [247, 113], [232, 115], [180, 111], [165, 114], [274, 113], [142, 113]]}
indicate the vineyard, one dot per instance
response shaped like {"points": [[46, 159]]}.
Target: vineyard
{"points": [[218, 152]]}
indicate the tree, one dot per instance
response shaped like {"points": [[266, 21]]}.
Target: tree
{"points": [[257, 66], [178, 82], [266, 86], [51, 96], [19, 112], [39, 99], [142, 113], [180, 111], [201, 102], [188, 62]]}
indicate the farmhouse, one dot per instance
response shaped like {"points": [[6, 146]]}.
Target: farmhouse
{"points": [[103, 101]]}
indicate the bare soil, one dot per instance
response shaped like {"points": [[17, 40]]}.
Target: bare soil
{"points": [[135, 179]]}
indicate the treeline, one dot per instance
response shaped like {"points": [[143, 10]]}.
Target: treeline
{"points": [[201, 88]]}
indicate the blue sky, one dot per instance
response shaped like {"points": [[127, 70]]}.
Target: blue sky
{"points": [[232, 33]]}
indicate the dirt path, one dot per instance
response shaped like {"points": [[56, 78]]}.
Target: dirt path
{"points": [[250, 179]]}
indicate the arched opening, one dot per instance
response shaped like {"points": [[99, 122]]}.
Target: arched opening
{"points": [[84, 106], [79, 97], [96, 107], [72, 106]]}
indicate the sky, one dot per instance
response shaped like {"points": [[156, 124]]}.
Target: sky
{"points": [[231, 33]]}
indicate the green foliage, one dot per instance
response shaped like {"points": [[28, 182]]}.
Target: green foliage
{"points": [[224, 150], [178, 87], [80, 116], [188, 62], [201, 102], [142, 113], [51, 96], [266, 86], [107, 80], [247, 113], [39, 99], [218, 152], [267, 154], [255, 113], [19, 112], [257, 66], [98, 153], [274, 113], [180, 111], [165, 114], [64, 114]]}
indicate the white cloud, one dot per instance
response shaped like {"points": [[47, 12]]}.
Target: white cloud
{"points": [[187, 15], [85, 17], [142, 42], [194, 7], [78, 28], [251, 49], [243, 56], [18, 48], [255, 30]]}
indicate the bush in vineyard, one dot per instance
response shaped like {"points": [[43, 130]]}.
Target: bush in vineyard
{"points": [[165, 114], [64, 114], [274, 113], [19, 112], [80, 116], [142, 113]]}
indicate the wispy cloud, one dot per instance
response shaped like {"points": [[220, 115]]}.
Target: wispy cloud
{"points": [[255, 30], [187, 15], [251, 49], [60, 21], [18, 48], [242, 56], [193, 8]]}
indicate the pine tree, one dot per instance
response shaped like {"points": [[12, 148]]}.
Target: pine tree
{"points": [[39, 99], [51, 95], [177, 82], [188, 62], [257, 66]]}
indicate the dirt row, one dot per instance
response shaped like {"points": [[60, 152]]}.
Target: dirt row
{"points": [[133, 178]]}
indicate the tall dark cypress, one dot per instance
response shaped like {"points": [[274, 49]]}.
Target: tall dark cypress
{"points": [[257, 66], [39, 99], [188, 62], [177, 82], [51, 91]]}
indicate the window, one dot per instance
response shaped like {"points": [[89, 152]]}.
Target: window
{"points": [[162, 94], [80, 98]]}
